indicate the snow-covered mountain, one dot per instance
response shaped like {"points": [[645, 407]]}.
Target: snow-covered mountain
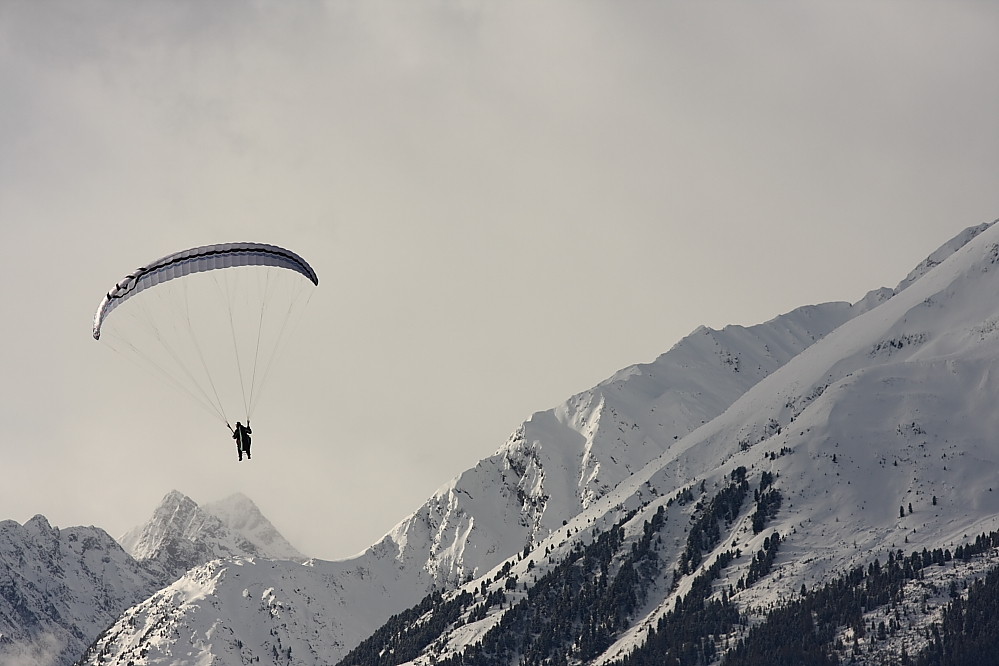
{"points": [[880, 438], [862, 430], [60, 587], [181, 535]]}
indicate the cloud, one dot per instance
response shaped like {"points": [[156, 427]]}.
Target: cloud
{"points": [[44, 650]]}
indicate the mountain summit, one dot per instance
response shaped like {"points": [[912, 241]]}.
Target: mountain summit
{"points": [[181, 535], [239, 514]]}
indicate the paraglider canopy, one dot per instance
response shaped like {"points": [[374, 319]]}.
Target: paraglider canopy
{"points": [[196, 260], [209, 320]]}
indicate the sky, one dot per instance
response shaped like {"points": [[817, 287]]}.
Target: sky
{"points": [[505, 204]]}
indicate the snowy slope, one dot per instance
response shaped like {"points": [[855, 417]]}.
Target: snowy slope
{"points": [[562, 460], [239, 609], [898, 387], [941, 254], [231, 612], [181, 535], [893, 408], [60, 587]]}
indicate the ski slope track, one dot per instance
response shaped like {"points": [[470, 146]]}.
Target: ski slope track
{"points": [[857, 411]]}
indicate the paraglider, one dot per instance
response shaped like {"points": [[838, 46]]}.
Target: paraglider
{"points": [[210, 320], [242, 434]]}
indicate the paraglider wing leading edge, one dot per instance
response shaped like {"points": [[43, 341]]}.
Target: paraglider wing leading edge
{"points": [[196, 260]]}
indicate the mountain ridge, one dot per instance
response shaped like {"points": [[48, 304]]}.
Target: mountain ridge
{"points": [[60, 587]]}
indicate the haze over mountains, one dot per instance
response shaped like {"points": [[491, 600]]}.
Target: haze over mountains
{"points": [[181, 534], [873, 422]]}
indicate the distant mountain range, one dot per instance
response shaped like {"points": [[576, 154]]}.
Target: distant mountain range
{"points": [[59, 588]]}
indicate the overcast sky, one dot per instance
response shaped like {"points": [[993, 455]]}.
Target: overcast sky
{"points": [[505, 203]]}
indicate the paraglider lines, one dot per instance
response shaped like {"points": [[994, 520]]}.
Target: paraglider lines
{"points": [[201, 355]]}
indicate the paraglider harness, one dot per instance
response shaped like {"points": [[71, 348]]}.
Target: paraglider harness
{"points": [[241, 434]]}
